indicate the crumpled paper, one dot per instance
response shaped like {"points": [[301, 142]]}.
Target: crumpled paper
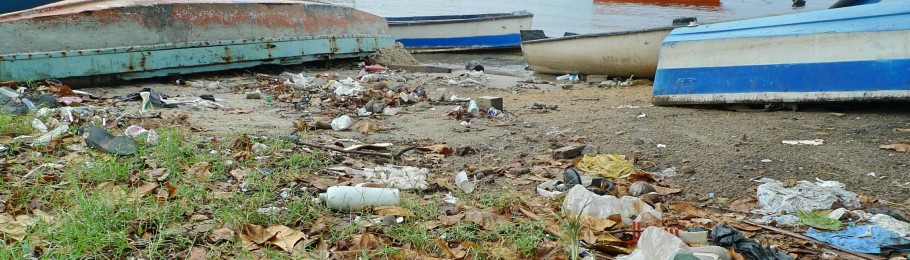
{"points": [[400, 177]]}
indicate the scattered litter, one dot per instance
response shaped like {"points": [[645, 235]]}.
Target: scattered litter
{"points": [[607, 165], [892, 224], [581, 201], [399, 177], [342, 123], [804, 142], [784, 220], [156, 98], [50, 136], [661, 146], [348, 87], [726, 236], [356, 198], [656, 243], [463, 183], [640, 188], [766, 160], [871, 239], [774, 198], [135, 131], [642, 115], [38, 125], [100, 139], [568, 77]]}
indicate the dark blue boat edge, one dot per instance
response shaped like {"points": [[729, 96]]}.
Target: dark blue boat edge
{"points": [[867, 75], [505, 40]]}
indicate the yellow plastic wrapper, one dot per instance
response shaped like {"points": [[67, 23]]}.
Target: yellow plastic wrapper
{"points": [[606, 165]]}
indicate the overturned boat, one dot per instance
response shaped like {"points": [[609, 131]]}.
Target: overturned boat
{"points": [[131, 39], [628, 53], [459, 32], [859, 53]]}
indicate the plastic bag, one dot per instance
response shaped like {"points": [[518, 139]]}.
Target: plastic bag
{"points": [[582, 201], [726, 236], [774, 198]]}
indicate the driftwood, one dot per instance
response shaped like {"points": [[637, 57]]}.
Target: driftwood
{"points": [[393, 156]]}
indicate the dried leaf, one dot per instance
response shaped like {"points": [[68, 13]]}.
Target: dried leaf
{"points": [[255, 234], [143, 190], [200, 170], [588, 236], [239, 174], [198, 253], [439, 148], [169, 193], [485, 219], [901, 148], [392, 210], [664, 191], [594, 223], [451, 220], [366, 127], [15, 227], [687, 210], [285, 237], [744, 205], [367, 241]]}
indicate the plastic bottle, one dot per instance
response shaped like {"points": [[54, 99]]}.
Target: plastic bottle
{"points": [[356, 198]]}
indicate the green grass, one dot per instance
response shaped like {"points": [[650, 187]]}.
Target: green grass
{"points": [[95, 223], [16, 124]]}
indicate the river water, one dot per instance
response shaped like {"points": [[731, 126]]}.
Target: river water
{"points": [[592, 16]]}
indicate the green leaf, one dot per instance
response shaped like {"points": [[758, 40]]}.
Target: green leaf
{"points": [[819, 222]]}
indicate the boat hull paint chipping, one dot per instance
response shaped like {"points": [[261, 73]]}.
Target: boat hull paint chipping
{"points": [[857, 53], [460, 32], [614, 54], [142, 38]]}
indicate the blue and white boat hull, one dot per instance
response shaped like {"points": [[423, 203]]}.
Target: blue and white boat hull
{"points": [[460, 31], [859, 53]]}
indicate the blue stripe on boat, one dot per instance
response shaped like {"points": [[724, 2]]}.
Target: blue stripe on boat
{"points": [[506, 40], [869, 75], [842, 20]]}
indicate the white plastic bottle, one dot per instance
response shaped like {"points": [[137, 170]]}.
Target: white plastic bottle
{"points": [[356, 198]]}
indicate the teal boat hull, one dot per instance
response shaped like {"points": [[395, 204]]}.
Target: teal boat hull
{"points": [[142, 39]]}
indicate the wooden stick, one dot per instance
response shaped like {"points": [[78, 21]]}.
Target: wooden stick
{"points": [[829, 246], [392, 156]]}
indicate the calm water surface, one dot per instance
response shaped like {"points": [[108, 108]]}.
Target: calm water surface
{"points": [[579, 16]]}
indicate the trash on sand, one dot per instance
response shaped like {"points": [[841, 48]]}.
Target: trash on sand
{"points": [[892, 224], [50, 136], [38, 125], [783, 220], [607, 165], [726, 236], [100, 139], [135, 131], [342, 123], [400, 177], [819, 222], [656, 243], [642, 115], [390, 111], [472, 107], [774, 198], [463, 183], [581, 201], [804, 142], [539, 106], [871, 239], [568, 77], [356, 198], [348, 87], [9, 92], [901, 148], [373, 68], [473, 65], [766, 160], [661, 146], [156, 98]]}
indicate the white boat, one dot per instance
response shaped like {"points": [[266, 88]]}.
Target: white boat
{"points": [[499, 30], [614, 54]]}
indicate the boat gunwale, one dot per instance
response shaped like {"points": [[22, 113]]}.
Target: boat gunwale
{"points": [[400, 21], [181, 45], [597, 35]]}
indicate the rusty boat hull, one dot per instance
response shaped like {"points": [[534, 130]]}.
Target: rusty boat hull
{"points": [[131, 39]]}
